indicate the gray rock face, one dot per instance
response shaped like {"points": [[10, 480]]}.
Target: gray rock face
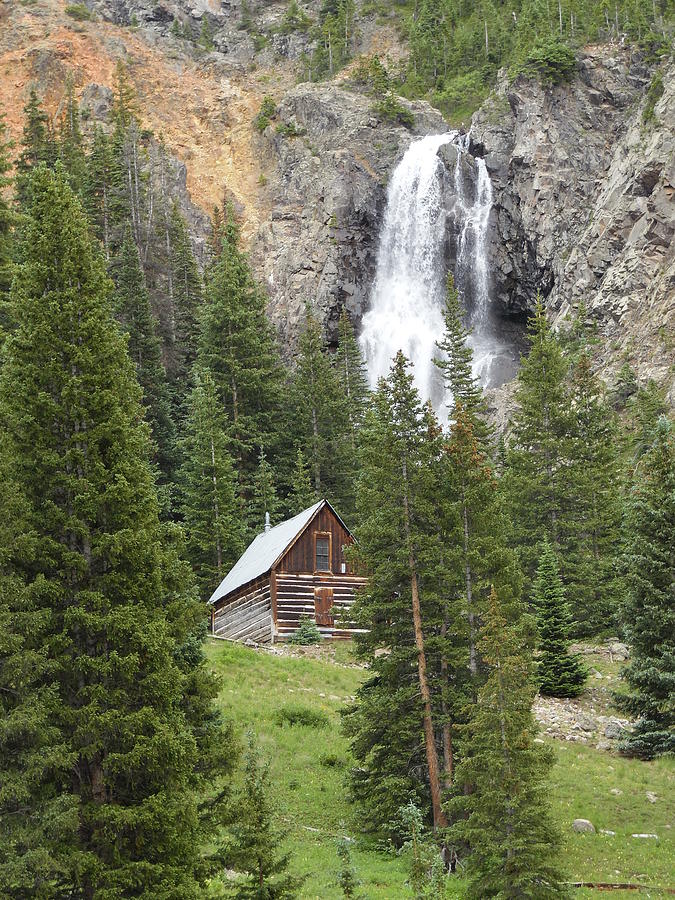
{"points": [[585, 205], [327, 196]]}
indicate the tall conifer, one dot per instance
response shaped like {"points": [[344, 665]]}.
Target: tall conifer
{"points": [[302, 492], [131, 304], [505, 817], [648, 612], [560, 673], [6, 226], [212, 515], [264, 500], [136, 740]]}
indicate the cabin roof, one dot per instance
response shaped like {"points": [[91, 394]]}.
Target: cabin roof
{"points": [[266, 549]]}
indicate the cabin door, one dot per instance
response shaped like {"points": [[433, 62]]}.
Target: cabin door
{"points": [[323, 606]]}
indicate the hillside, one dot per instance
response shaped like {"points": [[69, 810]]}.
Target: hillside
{"points": [[309, 767]]}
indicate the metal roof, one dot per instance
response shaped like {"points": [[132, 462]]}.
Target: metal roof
{"points": [[264, 550]]}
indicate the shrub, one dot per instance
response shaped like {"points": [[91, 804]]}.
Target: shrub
{"points": [[289, 129], [295, 19], [332, 761], [307, 632], [654, 94], [295, 714], [268, 111], [550, 60], [391, 108], [79, 12]]}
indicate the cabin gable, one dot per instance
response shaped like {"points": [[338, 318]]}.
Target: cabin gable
{"points": [[301, 556]]}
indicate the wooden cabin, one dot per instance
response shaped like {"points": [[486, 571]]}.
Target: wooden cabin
{"points": [[298, 568]]}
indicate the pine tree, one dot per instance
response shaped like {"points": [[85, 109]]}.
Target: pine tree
{"points": [[136, 741], [393, 723], [594, 502], [237, 346], [322, 419], [456, 362], [98, 186], [256, 841], [212, 515], [536, 481], [264, 500], [560, 673], [505, 818], [6, 226], [37, 145], [131, 304], [347, 879], [351, 372], [648, 612], [69, 144], [302, 493]]}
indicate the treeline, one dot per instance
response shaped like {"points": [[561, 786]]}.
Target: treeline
{"points": [[483, 560]]}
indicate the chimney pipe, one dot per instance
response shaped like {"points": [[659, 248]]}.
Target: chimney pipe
{"points": [[267, 521]]}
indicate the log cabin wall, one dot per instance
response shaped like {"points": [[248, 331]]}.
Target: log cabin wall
{"points": [[300, 558], [246, 614], [296, 596]]}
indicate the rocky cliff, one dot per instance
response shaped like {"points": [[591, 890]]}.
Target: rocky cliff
{"points": [[584, 189]]}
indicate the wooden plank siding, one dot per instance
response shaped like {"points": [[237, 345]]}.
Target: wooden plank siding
{"points": [[246, 615], [296, 598], [300, 556]]}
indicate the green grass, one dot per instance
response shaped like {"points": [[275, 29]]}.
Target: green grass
{"points": [[309, 765]]}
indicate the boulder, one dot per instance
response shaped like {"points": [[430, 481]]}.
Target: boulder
{"points": [[584, 826]]}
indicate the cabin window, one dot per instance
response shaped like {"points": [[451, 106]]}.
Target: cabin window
{"points": [[322, 554]]}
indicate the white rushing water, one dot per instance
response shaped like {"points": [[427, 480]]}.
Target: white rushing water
{"points": [[408, 292], [406, 301]]}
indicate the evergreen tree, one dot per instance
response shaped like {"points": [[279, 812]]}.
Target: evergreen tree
{"points": [[212, 516], [132, 309], [594, 502], [70, 146], [322, 419], [37, 145], [264, 498], [351, 372], [648, 612], [98, 186], [456, 362], [560, 673], [186, 294], [6, 226], [256, 841], [237, 346], [347, 879], [505, 818], [393, 723], [302, 493], [135, 741], [536, 481]]}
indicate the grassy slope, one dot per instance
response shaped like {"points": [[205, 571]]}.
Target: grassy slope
{"points": [[312, 806]]}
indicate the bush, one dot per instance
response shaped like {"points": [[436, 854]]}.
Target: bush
{"points": [[391, 108], [654, 94], [294, 714], [79, 12], [268, 111], [332, 761], [307, 632], [550, 60], [289, 129]]}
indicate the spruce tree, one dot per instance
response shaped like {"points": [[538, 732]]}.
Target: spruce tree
{"points": [[536, 480], [255, 849], [560, 673], [237, 346], [648, 612], [135, 740], [393, 723], [322, 418], [456, 362], [302, 493], [69, 141], [97, 193], [351, 372], [264, 500], [210, 510], [505, 818], [131, 305], [594, 502], [37, 145], [6, 226]]}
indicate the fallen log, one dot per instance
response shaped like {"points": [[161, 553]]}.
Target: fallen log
{"points": [[611, 886]]}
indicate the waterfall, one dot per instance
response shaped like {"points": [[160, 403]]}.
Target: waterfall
{"points": [[407, 297]]}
